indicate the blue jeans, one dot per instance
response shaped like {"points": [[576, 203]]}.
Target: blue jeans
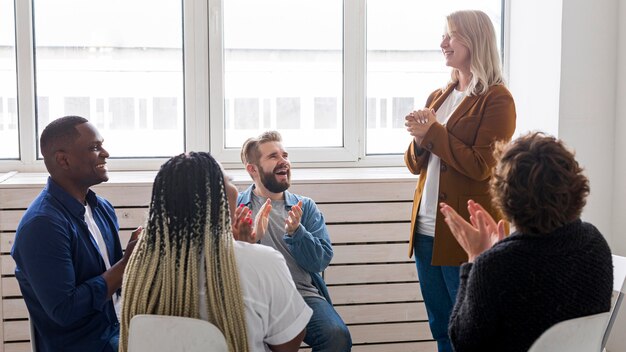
{"points": [[439, 285], [326, 331]]}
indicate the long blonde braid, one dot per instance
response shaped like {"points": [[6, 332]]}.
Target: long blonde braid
{"points": [[188, 221]]}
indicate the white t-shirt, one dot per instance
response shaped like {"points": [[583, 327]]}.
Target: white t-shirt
{"points": [[97, 236], [430, 197], [275, 311]]}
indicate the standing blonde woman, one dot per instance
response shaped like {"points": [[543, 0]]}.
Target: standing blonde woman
{"points": [[452, 151], [187, 263]]}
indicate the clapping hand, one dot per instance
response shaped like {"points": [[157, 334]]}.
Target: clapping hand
{"points": [[243, 228], [479, 235], [242, 225], [293, 220]]}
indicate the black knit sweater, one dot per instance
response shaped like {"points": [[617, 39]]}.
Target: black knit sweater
{"points": [[527, 283]]}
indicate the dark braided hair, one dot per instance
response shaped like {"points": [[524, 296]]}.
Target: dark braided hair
{"points": [[188, 225]]}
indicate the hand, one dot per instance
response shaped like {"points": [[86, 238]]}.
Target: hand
{"points": [[418, 122], [130, 247], [262, 219], [477, 237], [242, 225], [293, 220]]}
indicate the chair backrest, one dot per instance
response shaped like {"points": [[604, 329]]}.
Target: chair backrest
{"points": [[33, 345], [582, 334], [619, 276], [159, 333]]}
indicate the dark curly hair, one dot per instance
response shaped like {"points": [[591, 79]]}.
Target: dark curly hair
{"points": [[538, 183]]}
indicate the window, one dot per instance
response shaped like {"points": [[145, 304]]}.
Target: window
{"points": [[8, 84], [118, 64], [280, 58], [160, 77]]}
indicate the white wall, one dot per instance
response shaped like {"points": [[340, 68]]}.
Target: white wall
{"points": [[588, 99], [619, 182], [534, 63], [564, 77], [617, 341]]}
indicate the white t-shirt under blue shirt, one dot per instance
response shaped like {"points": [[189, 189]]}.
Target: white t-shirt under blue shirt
{"points": [[430, 196], [102, 248]]}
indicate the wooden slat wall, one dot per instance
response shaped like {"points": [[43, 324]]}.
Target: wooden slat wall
{"points": [[371, 280]]}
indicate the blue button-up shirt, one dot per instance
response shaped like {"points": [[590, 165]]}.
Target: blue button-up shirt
{"points": [[59, 270]]}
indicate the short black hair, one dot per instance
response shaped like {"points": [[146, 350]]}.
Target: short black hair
{"points": [[60, 130]]}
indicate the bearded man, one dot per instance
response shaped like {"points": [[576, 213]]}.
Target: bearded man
{"points": [[297, 229]]}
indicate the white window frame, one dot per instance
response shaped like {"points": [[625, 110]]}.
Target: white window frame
{"points": [[204, 93]]}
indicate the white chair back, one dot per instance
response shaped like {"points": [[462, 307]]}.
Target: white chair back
{"points": [[159, 333], [619, 276], [33, 345], [582, 334]]}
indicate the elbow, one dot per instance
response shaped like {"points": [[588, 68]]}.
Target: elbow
{"points": [[62, 318]]}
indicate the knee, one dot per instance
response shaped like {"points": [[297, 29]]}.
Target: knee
{"points": [[332, 336], [340, 337]]}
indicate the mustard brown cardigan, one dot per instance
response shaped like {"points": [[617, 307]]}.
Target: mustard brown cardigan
{"points": [[465, 145]]}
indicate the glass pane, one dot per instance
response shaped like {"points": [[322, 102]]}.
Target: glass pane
{"points": [[9, 135], [118, 64], [283, 71], [405, 64]]}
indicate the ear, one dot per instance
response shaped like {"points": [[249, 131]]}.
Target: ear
{"points": [[61, 159], [251, 168]]}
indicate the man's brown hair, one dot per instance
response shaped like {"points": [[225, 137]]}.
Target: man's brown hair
{"points": [[250, 149], [538, 184]]}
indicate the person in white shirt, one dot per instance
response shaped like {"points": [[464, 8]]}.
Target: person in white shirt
{"points": [[187, 263]]}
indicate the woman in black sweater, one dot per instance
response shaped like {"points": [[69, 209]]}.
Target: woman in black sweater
{"points": [[554, 268]]}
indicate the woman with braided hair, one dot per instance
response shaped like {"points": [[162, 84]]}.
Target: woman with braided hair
{"points": [[187, 263]]}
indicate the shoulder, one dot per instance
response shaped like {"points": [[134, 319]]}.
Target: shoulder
{"points": [[105, 204], [594, 237], [244, 196], [499, 254], [293, 199], [498, 91], [45, 210]]}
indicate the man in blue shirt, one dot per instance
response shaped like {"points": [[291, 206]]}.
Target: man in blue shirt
{"points": [[67, 249], [296, 228]]}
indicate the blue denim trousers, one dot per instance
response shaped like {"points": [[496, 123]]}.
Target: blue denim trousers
{"points": [[439, 285], [326, 331]]}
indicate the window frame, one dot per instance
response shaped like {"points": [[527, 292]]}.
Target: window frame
{"points": [[203, 77]]}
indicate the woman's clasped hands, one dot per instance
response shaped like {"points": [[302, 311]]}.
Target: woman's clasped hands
{"points": [[419, 121]]}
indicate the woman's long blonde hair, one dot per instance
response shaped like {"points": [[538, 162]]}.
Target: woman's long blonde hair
{"points": [[188, 220], [475, 30]]}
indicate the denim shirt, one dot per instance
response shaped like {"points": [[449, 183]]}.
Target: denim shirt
{"points": [[59, 270], [310, 244]]}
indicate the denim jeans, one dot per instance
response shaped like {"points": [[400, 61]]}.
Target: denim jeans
{"points": [[326, 331], [113, 343], [439, 285]]}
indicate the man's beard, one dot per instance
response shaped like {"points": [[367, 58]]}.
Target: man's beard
{"points": [[268, 179]]}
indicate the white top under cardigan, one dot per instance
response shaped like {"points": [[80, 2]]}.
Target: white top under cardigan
{"points": [[427, 214]]}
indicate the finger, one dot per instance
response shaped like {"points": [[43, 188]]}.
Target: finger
{"points": [[267, 210], [487, 217], [482, 226], [135, 234], [297, 212]]}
